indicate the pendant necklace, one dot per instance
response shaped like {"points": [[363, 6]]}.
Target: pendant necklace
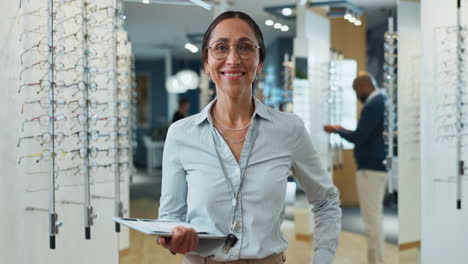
{"points": [[231, 140], [232, 129]]}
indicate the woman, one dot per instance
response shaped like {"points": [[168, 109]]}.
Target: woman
{"points": [[225, 169]]}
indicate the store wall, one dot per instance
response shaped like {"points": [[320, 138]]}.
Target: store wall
{"points": [[313, 43], [155, 70], [192, 95], [273, 70], [25, 237], [375, 51], [444, 229], [409, 77], [351, 40]]}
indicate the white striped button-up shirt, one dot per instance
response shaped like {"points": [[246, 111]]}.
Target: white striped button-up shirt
{"points": [[195, 190]]}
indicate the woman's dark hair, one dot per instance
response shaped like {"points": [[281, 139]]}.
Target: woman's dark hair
{"points": [[233, 14]]}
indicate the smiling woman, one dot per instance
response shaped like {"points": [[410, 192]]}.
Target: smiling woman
{"points": [[232, 69], [221, 171]]}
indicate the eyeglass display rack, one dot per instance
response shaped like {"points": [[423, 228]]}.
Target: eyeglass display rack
{"points": [[288, 74], [133, 110], [83, 77], [53, 216], [451, 74], [459, 102], [117, 202], [390, 85], [335, 107], [88, 209], [121, 48], [410, 120]]}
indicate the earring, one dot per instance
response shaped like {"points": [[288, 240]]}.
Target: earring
{"points": [[209, 78]]}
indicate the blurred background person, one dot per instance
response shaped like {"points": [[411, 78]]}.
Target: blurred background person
{"points": [[369, 153], [182, 111]]}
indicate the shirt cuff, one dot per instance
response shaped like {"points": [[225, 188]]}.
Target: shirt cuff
{"points": [[339, 131]]}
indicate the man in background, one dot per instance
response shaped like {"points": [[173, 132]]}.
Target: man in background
{"points": [[182, 111], [369, 153]]}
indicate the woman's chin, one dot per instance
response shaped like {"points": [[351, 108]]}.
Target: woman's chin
{"points": [[236, 90], [237, 93]]}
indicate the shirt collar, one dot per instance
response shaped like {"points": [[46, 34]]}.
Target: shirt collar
{"points": [[260, 109], [372, 95]]}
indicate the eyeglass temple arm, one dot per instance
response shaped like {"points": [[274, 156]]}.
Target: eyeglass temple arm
{"points": [[30, 156], [21, 87], [22, 125], [22, 54], [74, 156], [22, 138], [21, 72]]}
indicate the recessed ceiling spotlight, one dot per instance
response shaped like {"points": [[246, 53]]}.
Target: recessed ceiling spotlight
{"points": [[284, 28], [358, 22], [192, 48], [352, 19], [286, 11], [347, 16], [277, 25], [269, 22], [145, 1]]}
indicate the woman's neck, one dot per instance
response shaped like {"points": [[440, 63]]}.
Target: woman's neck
{"points": [[233, 112]]}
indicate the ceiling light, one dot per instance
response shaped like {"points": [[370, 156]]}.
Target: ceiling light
{"points": [[277, 25], [188, 79], [358, 22], [352, 19], [145, 1], [347, 16], [174, 86], [284, 28], [202, 3], [286, 11], [269, 22], [192, 48]]}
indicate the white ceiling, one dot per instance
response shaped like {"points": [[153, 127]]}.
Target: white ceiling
{"points": [[155, 28]]}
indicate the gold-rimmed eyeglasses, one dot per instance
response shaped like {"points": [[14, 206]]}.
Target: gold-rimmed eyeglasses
{"points": [[220, 50], [45, 155]]}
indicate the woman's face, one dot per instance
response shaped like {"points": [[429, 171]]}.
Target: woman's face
{"points": [[233, 76]]}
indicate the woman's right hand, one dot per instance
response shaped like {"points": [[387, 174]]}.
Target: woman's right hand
{"points": [[183, 240]]}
